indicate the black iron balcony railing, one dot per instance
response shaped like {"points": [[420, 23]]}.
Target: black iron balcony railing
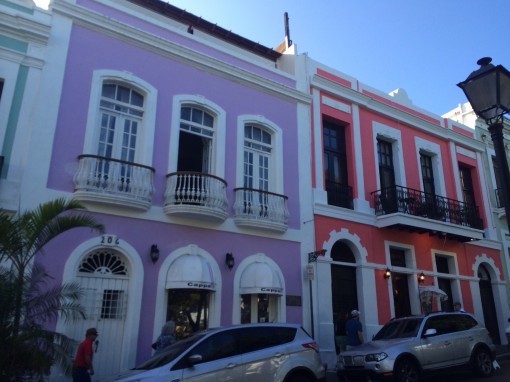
{"points": [[417, 203], [500, 200], [339, 195]]}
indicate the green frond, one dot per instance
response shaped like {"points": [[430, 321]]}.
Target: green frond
{"points": [[29, 297]]}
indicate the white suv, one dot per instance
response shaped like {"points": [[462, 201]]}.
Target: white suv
{"points": [[407, 348], [242, 353]]}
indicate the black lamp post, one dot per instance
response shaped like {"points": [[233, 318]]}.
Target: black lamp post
{"points": [[488, 91]]}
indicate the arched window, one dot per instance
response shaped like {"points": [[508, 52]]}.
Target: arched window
{"points": [[257, 158], [121, 115], [195, 140]]}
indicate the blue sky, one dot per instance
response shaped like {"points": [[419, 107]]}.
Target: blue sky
{"points": [[423, 46]]}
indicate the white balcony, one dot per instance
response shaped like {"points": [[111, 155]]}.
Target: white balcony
{"points": [[196, 195], [260, 209], [113, 182]]}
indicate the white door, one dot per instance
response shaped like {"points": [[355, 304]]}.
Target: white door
{"points": [[104, 279]]}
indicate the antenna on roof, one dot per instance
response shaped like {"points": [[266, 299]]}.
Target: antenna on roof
{"points": [[287, 29]]}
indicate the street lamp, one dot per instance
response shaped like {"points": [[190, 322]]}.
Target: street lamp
{"points": [[488, 91]]}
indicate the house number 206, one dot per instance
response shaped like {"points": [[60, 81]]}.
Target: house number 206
{"points": [[109, 240]]}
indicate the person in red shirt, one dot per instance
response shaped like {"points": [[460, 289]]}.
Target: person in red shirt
{"points": [[83, 367]]}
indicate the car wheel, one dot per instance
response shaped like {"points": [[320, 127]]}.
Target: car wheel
{"points": [[482, 363], [406, 370]]}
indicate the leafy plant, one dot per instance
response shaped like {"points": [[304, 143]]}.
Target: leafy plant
{"points": [[27, 301]]}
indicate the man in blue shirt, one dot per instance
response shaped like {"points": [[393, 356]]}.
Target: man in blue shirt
{"points": [[354, 330]]}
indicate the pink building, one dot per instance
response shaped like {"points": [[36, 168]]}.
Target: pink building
{"points": [[401, 205]]}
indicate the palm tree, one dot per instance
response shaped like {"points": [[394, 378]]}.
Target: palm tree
{"points": [[26, 300]]}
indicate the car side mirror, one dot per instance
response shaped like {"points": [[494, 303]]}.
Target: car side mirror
{"points": [[194, 359], [430, 332]]}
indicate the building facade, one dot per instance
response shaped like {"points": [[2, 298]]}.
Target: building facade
{"points": [[402, 210], [464, 114], [237, 183], [183, 139]]}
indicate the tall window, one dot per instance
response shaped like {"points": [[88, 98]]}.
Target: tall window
{"points": [[335, 165], [387, 176], [121, 117], [257, 158], [386, 170], [467, 185], [195, 140], [445, 283], [399, 283], [427, 174], [121, 113]]}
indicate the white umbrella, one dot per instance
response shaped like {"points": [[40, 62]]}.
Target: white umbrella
{"points": [[432, 291]]}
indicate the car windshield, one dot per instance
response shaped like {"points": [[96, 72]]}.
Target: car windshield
{"points": [[170, 353], [405, 328]]}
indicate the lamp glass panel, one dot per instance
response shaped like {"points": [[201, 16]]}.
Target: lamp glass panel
{"points": [[505, 90], [481, 93]]}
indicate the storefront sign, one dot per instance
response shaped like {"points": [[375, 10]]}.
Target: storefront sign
{"points": [[199, 285]]}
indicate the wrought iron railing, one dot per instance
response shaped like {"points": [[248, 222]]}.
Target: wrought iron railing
{"points": [[261, 206], [114, 180], [196, 188], [500, 199], [417, 203], [339, 195]]}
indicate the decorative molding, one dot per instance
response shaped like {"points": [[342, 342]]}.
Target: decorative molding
{"points": [[165, 48]]}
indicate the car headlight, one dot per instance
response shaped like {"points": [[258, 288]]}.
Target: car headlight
{"points": [[376, 357]]}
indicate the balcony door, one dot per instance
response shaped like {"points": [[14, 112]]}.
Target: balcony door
{"points": [[433, 207], [467, 185], [121, 116], [387, 176], [195, 140], [335, 165], [257, 169]]}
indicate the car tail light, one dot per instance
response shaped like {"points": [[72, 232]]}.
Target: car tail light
{"points": [[312, 345]]}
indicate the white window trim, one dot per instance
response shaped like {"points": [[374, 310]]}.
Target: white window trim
{"points": [[452, 263], [257, 258], [145, 142], [276, 165], [217, 166], [395, 137], [434, 151]]}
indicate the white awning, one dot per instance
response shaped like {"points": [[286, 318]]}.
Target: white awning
{"points": [[190, 272], [260, 277]]}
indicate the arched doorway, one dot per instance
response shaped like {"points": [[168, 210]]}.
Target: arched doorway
{"points": [[104, 277], [488, 306], [343, 284]]}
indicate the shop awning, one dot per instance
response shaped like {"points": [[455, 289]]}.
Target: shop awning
{"points": [[190, 272], [260, 277]]}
